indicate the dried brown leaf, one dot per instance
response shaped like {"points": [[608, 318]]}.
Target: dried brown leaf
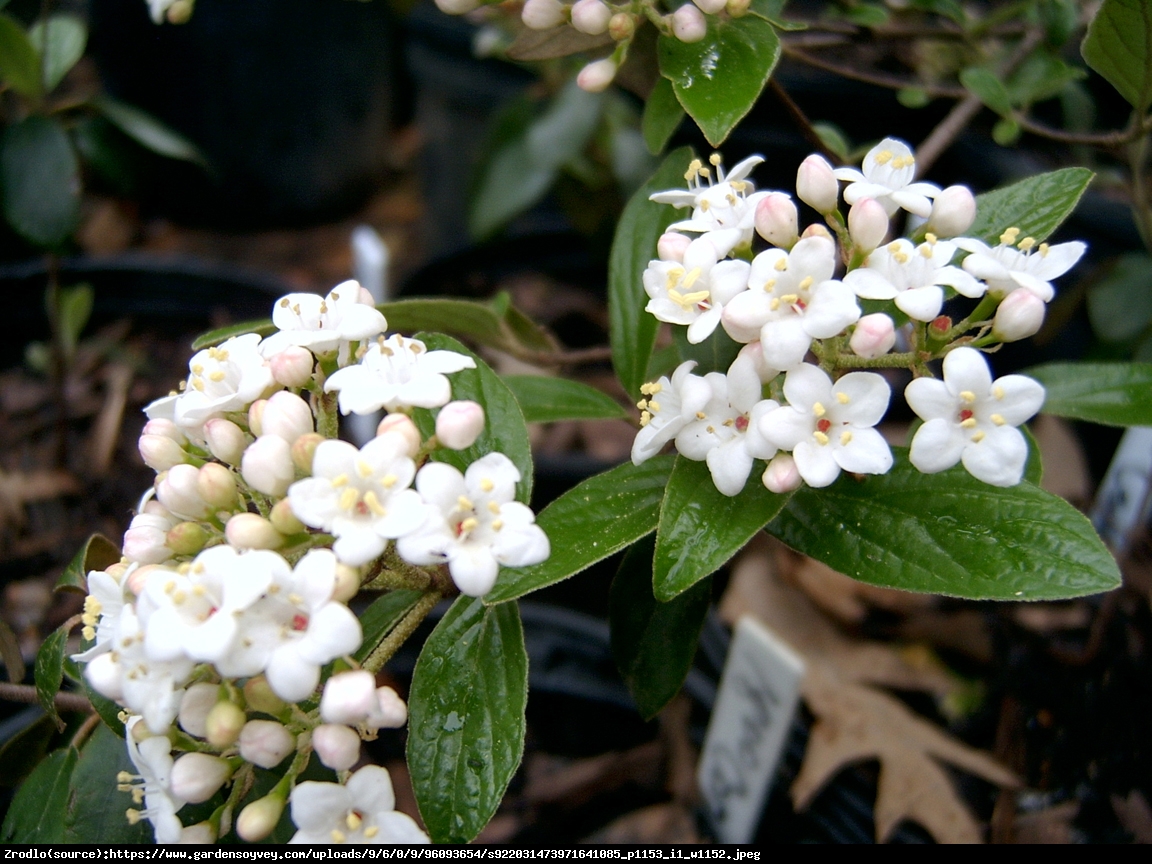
{"points": [[1052, 825], [1065, 468], [660, 823], [558, 42], [105, 432], [572, 782], [18, 489], [1135, 815]]}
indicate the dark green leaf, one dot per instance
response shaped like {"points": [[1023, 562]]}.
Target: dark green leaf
{"points": [[379, 618], [633, 331], [498, 325], [75, 309], [108, 710], [21, 753], [714, 354], [1005, 132], [988, 88], [867, 15], [1041, 76], [913, 97], [719, 78], [653, 643], [40, 180], [700, 529], [1118, 45], [466, 717], [590, 522], [1114, 394], [36, 814], [504, 429], [147, 131], [98, 553], [1036, 206], [1034, 467], [662, 116], [832, 137], [60, 42], [264, 327], [1120, 304], [95, 809], [49, 670], [19, 62], [948, 533], [545, 400]]}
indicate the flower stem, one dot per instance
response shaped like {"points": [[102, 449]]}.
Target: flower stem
{"points": [[391, 643], [888, 361]]}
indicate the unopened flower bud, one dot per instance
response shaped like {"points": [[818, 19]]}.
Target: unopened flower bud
{"points": [[226, 440], [286, 416], [138, 576], [816, 186], [267, 465], [402, 424], [292, 367], [146, 540], [459, 424], [259, 696], [348, 697], [187, 538], [347, 583], [103, 675], [591, 17], [180, 12], [816, 230], [867, 224], [542, 14], [256, 417], [337, 746], [939, 325], [198, 834], [223, 724], [176, 490], [265, 743], [672, 245], [782, 475], [304, 448], [688, 24], [874, 336], [166, 428], [1018, 316], [738, 8], [216, 485], [197, 701], [777, 220], [711, 7], [389, 710], [160, 452], [621, 26], [258, 819], [196, 777], [953, 212], [457, 7], [597, 75], [252, 531], [284, 520]]}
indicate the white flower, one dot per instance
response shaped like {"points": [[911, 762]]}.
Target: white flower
{"points": [[792, 299], [694, 292], [889, 169], [473, 524], [323, 324], [971, 419], [361, 496], [152, 757], [102, 608], [913, 276], [828, 426], [669, 405], [361, 811], [397, 373], [1028, 265]]}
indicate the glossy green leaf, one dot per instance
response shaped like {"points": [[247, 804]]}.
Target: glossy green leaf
{"points": [[40, 180], [147, 131], [1120, 304], [60, 41], [98, 553], [653, 642], [700, 529], [504, 429], [36, 814], [49, 671], [714, 354], [1041, 76], [263, 326], [590, 522], [19, 62], [95, 809], [662, 116], [20, 754], [466, 717], [381, 616], [1118, 45], [1036, 206], [633, 331], [718, 79], [1114, 394], [108, 710], [544, 399], [949, 533], [988, 88], [1034, 467]]}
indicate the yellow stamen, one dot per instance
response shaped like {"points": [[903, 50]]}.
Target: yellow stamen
{"points": [[216, 376], [388, 481], [700, 415], [818, 410], [468, 525], [806, 283], [789, 298], [781, 264], [197, 369], [497, 524], [371, 832], [653, 406], [967, 396], [931, 238], [198, 384], [997, 419], [925, 250], [339, 480], [374, 504], [1026, 244], [642, 404], [337, 836], [1043, 250], [998, 392], [774, 304], [883, 157], [363, 468], [842, 398], [845, 437], [486, 484], [977, 436], [1009, 236], [901, 257], [353, 821], [714, 159], [348, 499], [691, 277], [493, 507], [645, 419], [821, 438], [295, 599], [464, 503], [969, 423]]}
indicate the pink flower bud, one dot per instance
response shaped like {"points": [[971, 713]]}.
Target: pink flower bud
{"points": [[258, 696], [226, 440], [196, 777], [457, 7], [292, 367], [953, 212], [256, 417], [195, 704], [622, 26], [284, 520], [782, 475], [542, 14], [167, 428], [816, 186], [347, 583], [267, 465], [223, 724], [103, 674], [403, 425], [777, 220], [258, 819], [348, 697], [304, 449], [672, 245], [591, 17], [867, 224], [138, 575], [1018, 316], [337, 746], [874, 336], [597, 75], [389, 710], [252, 531], [688, 24], [146, 539], [816, 230], [176, 490], [160, 452], [216, 485], [187, 538], [459, 424], [286, 416], [265, 743]]}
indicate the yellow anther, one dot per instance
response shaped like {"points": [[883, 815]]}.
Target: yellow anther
{"points": [[1009, 236], [977, 436], [675, 274], [198, 384], [883, 157], [820, 437], [486, 484], [323, 308], [967, 396], [340, 480], [689, 175], [373, 504], [842, 398], [781, 264], [729, 422], [653, 406], [894, 246], [901, 257], [930, 238], [694, 166], [493, 507], [1026, 244], [353, 821], [183, 569], [335, 296], [774, 304], [998, 392], [337, 836], [138, 795], [468, 524], [818, 409], [655, 387], [197, 368], [273, 589], [388, 480], [348, 499], [295, 599], [283, 302], [925, 250], [497, 524], [805, 283], [710, 429], [296, 308], [691, 277], [969, 423], [464, 503], [1043, 250], [125, 777], [645, 419], [363, 468], [704, 205], [133, 816], [88, 632], [179, 597], [789, 298], [199, 590], [706, 174], [845, 437], [770, 284], [997, 419], [715, 159], [169, 586], [216, 376], [197, 567], [371, 832], [731, 199], [700, 415]]}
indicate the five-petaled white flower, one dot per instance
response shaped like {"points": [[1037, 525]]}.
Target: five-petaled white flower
{"points": [[1022, 264], [828, 425], [152, 787], [102, 608], [323, 324], [668, 405], [972, 419], [363, 810], [693, 292], [888, 172], [913, 276], [397, 373]]}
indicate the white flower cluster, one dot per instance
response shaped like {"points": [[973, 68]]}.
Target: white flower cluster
{"points": [[232, 593], [800, 297]]}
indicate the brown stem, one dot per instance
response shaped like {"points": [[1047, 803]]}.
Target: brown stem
{"points": [[879, 79], [801, 120], [26, 694]]}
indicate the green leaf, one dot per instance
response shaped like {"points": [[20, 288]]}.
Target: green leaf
{"points": [[1041, 76], [36, 814], [988, 88], [633, 331], [75, 310], [147, 131], [264, 327], [40, 180], [19, 61], [466, 717], [60, 42], [714, 354], [380, 617], [949, 533], [653, 643], [1118, 45], [98, 553], [913, 97], [832, 137], [95, 809], [700, 528], [1034, 467], [719, 78], [1005, 132], [590, 522], [662, 116], [20, 754], [867, 16], [1036, 206], [49, 671], [1120, 304], [108, 710], [1113, 394], [545, 400], [504, 429]]}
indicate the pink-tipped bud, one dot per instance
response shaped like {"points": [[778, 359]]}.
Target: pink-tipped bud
{"points": [[226, 440], [138, 577], [196, 777], [597, 75], [187, 538], [457, 7], [816, 230], [259, 696], [258, 819], [146, 540], [672, 245], [953, 212], [267, 465], [223, 724], [939, 326], [217, 486], [711, 7], [388, 710], [292, 367], [166, 428], [1018, 316], [304, 449], [622, 26], [542, 14], [176, 490], [337, 746], [286, 416], [459, 424], [816, 186], [347, 583], [782, 475], [197, 701], [867, 224], [777, 220], [160, 452], [284, 520], [256, 417], [688, 24], [265, 743], [252, 531], [591, 17], [403, 425], [348, 698], [874, 336]]}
